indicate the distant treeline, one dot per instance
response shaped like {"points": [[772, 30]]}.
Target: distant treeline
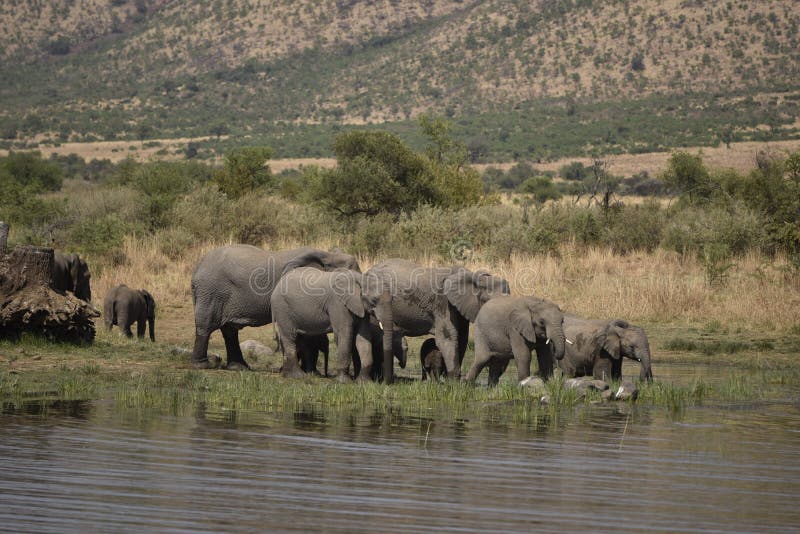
{"points": [[385, 198]]}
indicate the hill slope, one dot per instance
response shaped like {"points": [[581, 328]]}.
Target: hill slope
{"points": [[107, 67]]}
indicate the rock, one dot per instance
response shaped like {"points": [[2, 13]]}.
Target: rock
{"points": [[533, 382], [607, 395], [627, 391], [253, 349], [585, 383], [183, 351]]}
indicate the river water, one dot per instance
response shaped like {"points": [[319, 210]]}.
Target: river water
{"points": [[97, 466]]}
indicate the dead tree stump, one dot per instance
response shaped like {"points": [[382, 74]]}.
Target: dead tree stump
{"points": [[28, 302]]}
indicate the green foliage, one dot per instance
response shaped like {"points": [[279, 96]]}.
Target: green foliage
{"points": [[100, 236], [687, 174], [634, 228], [375, 172], [29, 170], [576, 171], [540, 188], [244, 170], [692, 229]]}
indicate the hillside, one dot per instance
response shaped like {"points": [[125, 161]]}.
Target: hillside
{"points": [[278, 69]]}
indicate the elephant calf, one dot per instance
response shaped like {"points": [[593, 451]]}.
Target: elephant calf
{"points": [[431, 360], [510, 326], [599, 345], [123, 305]]}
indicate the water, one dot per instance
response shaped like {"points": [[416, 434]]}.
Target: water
{"points": [[625, 468]]}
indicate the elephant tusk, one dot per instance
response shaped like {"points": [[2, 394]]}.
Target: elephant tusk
{"points": [[547, 342], [568, 341], [380, 324]]}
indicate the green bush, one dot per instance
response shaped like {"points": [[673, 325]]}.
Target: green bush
{"points": [[244, 170], [634, 228], [29, 170], [100, 236], [693, 229]]}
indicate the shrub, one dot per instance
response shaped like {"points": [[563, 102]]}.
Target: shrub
{"points": [[634, 228], [541, 188], [244, 170], [691, 229], [28, 169], [205, 212], [576, 171], [100, 236]]}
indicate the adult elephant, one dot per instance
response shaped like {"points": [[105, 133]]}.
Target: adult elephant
{"points": [[598, 347], [231, 289], [310, 302], [71, 273], [436, 300], [511, 326], [123, 306]]}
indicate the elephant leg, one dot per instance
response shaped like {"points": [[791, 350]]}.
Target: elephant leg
{"points": [[344, 350], [482, 356], [233, 350], [125, 325], [522, 356], [462, 327], [141, 326], [290, 368], [544, 357], [496, 369], [446, 335], [616, 369], [364, 349], [200, 358]]}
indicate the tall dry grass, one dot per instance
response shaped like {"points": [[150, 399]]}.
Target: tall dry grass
{"points": [[657, 287]]}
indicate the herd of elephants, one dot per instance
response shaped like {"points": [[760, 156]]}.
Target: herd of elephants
{"points": [[307, 293]]}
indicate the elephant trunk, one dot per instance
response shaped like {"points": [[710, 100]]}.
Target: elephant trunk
{"points": [[643, 355], [555, 334], [387, 324]]}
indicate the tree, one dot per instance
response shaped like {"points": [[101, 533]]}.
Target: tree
{"points": [[375, 172], [220, 129], [244, 170], [687, 174], [541, 188]]}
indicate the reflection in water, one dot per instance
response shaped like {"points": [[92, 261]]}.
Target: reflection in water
{"points": [[496, 468]]}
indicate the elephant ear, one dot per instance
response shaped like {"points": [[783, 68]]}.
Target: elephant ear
{"points": [[149, 302], [348, 290], [612, 342], [521, 320], [312, 258], [462, 292]]}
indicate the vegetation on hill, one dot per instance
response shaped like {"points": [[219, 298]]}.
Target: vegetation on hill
{"points": [[521, 79]]}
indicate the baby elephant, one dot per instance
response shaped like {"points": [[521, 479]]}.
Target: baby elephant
{"points": [[599, 346], [431, 360], [123, 305], [509, 327]]}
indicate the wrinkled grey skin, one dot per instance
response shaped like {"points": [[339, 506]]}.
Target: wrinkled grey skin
{"points": [[231, 289], [431, 360], [71, 273], [438, 300], [509, 327], [598, 347], [123, 305], [399, 351], [310, 302]]}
